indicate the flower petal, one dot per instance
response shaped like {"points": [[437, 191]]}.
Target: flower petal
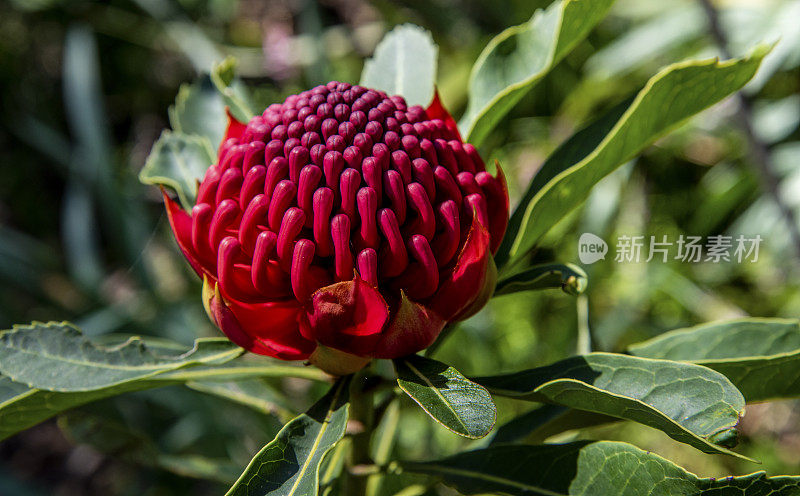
{"points": [[461, 287], [181, 224], [226, 320], [437, 111], [496, 191], [347, 315], [412, 328], [485, 294], [208, 293], [264, 328]]}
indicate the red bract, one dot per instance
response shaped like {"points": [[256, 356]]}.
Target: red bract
{"points": [[342, 225]]}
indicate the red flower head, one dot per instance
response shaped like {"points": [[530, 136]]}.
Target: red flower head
{"points": [[342, 225]]}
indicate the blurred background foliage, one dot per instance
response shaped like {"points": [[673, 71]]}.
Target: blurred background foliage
{"points": [[85, 91]]}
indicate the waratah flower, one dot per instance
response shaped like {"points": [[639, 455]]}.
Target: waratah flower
{"points": [[341, 226]]}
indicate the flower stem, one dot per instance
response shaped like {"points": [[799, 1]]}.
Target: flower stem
{"points": [[584, 342], [362, 410]]}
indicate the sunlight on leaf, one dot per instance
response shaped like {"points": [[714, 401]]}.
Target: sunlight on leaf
{"points": [[676, 93], [520, 56], [450, 398], [404, 64]]}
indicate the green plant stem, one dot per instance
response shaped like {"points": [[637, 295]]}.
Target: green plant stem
{"points": [[449, 328], [362, 411], [584, 344], [380, 408], [386, 423], [218, 373]]}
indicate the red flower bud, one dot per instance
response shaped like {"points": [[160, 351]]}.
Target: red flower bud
{"points": [[342, 225]]}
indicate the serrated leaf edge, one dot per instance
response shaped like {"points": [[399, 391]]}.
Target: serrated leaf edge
{"points": [[135, 341]]}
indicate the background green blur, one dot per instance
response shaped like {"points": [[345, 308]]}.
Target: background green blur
{"points": [[85, 91]]}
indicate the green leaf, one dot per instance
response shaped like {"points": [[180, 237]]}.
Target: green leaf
{"points": [[247, 367], [450, 398], [739, 338], [57, 357], [199, 109], [289, 465], [108, 436], [334, 462], [254, 393], [91, 183], [121, 441], [690, 403], [516, 59], [670, 97], [22, 407], [586, 469], [522, 426], [404, 64], [199, 467], [568, 277], [383, 440], [545, 421], [382, 446], [234, 93], [572, 151], [178, 161], [761, 357]]}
